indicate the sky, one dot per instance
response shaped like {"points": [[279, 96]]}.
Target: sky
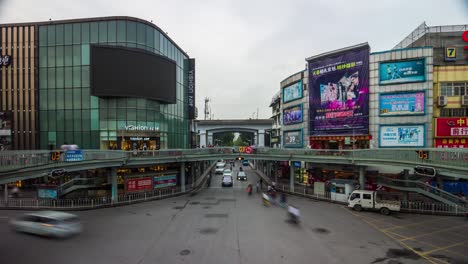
{"points": [[245, 48]]}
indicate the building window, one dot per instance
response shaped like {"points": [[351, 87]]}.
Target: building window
{"points": [[454, 88], [453, 112]]}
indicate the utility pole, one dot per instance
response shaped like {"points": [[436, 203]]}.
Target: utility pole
{"points": [[207, 108], [257, 112]]}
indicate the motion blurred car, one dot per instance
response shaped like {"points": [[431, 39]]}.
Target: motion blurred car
{"points": [[241, 176], [227, 181], [245, 163], [227, 172], [48, 223], [220, 167]]}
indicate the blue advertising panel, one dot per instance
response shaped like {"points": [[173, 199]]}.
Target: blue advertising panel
{"points": [[74, 155], [339, 93], [400, 104], [402, 71], [47, 193], [292, 115], [164, 181], [398, 136], [292, 139], [292, 92]]}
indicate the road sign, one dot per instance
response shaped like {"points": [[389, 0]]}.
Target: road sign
{"points": [[248, 150]]}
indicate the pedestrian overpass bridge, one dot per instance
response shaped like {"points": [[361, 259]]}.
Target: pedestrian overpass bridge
{"points": [[21, 165]]}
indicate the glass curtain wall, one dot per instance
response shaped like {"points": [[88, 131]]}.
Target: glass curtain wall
{"points": [[70, 115]]}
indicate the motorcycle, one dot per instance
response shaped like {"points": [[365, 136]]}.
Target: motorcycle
{"points": [[249, 189], [265, 200], [293, 215]]}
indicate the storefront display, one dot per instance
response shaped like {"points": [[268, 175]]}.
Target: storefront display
{"points": [[451, 132]]}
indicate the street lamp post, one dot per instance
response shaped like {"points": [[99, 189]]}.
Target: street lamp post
{"points": [[352, 141]]}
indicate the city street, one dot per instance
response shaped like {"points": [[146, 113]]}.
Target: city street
{"points": [[218, 225]]}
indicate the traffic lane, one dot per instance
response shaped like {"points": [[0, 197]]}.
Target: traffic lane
{"points": [[217, 225], [439, 238]]}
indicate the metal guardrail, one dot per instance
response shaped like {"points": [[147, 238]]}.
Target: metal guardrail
{"points": [[452, 158]]}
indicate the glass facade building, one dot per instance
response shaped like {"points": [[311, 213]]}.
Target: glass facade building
{"points": [[69, 114]]}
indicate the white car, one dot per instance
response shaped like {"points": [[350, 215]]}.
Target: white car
{"points": [[227, 181], [220, 167], [227, 172], [48, 223]]}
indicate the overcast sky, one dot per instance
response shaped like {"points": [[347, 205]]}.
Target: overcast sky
{"points": [[244, 48]]}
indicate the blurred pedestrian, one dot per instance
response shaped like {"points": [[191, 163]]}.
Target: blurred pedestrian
{"points": [[258, 186]]}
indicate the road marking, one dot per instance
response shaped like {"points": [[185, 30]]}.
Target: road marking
{"points": [[399, 241], [435, 232], [443, 248], [414, 224]]}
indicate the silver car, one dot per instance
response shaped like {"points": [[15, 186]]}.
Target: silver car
{"points": [[48, 223]]}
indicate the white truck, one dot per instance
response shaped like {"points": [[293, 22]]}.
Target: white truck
{"points": [[360, 199]]}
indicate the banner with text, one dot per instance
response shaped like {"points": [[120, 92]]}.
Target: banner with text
{"points": [[402, 136], [402, 71], [292, 115], [165, 181], [339, 93], [191, 89], [451, 127], [410, 103]]}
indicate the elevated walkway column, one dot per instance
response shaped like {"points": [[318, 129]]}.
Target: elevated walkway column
{"points": [[291, 176], [182, 176], [261, 138], [203, 139], [113, 178], [5, 192], [362, 177]]}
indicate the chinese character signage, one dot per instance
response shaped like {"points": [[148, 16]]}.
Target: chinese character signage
{"points": [[339, 93], [191, 89], [292, 92], [400, 104], [47, 193], [451, 127], [402, 136], [451, 143], [292, 139], [165, 181], [402, 71], [140, 184], [292, 115], [74, 155]]}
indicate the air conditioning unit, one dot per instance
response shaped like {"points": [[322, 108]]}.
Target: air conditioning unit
{"points": [[442, 100], [464, 101]]}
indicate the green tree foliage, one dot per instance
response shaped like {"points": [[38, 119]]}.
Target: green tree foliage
{"points": [[225, 139]]}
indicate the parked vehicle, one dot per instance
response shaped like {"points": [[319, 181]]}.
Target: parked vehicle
{"points": [[368, 200], [48, 223]]}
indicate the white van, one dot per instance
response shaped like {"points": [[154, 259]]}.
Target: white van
{"points": [[359, 200]]}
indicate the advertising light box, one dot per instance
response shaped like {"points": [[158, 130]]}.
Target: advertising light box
{"points": [[402, 71], [451, 127], [401, 104], [165, 181], [402, 136], [292, 92], [292, 138], [292, 115], [140, 184]]}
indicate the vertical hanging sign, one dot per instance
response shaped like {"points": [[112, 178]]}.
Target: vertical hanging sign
{"points": [[191, 89]]}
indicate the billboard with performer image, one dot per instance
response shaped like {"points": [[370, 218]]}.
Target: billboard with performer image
{"points": [[400, 104], [292, 115], [339, 92], [397, 136], [402, 71], [292, 92], [5, 130]]}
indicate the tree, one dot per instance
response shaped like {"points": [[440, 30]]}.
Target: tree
{"points": [[224, 139], [246, 139]]}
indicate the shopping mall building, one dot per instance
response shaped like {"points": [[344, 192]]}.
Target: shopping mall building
{"points": [[99, 83], [414, 95]]}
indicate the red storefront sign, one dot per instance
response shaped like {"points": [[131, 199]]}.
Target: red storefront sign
{"points": [[451, 142], [454, 127], [140, 184]]}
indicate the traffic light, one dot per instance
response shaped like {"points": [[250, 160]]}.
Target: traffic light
{"points": [[240, 158], [425, 171]]}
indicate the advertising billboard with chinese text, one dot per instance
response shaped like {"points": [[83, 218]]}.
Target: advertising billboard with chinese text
{"points": [[399, 136], [292, 139], [292, 92], [402, 71], [339, 93], [400, 104], [165, 181], [451, 127], [140, 184], [292, 115]]}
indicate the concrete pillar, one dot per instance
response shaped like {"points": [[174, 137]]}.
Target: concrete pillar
{"points": [[115, 190], [209, 138], [261, 138], [362, 177], [5, 191], [275, 172], [255, 139], [192, 173], [182, 176], [202, 139], [291, 177]]}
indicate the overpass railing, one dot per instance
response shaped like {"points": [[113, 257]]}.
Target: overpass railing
{"points": [[452, 158]]}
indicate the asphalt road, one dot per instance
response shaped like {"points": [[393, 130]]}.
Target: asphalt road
{"points": [[218, 225]]}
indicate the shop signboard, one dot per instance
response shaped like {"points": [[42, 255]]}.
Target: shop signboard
{"points": [[450, 53], [339, 93], [465, 38], [164, 181], [74, 155], [451, 127], [5, 131], [292, 115], [451, 143], [47, 193], [139, 184], [292, 139], [274, 139], [400, 136], [319, 188], [407, 71], [191, 89], [292, 92], [401, 104]]}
